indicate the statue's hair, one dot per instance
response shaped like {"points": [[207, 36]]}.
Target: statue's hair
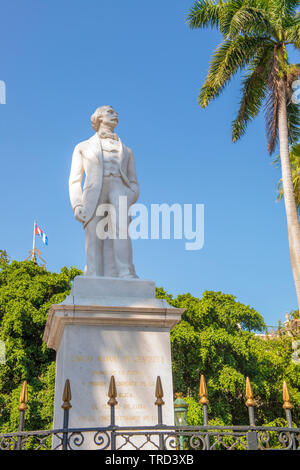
{"points": [[96, 117]]}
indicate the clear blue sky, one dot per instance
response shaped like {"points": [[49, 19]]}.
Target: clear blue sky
{"points": [[62, 59]]}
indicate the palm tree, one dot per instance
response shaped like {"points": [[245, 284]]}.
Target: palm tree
{"points": [[295, 169], [256, 37]]}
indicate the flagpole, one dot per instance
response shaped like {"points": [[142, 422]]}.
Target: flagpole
{"points": [[33, 244]]}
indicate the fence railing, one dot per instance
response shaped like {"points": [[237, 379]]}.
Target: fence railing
{"points": [[159, 436]]}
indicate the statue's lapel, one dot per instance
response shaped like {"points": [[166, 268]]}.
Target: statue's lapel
{"points": [[123, 155], [95, 150], [123, 160]]}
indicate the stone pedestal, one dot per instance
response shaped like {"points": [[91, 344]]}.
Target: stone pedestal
{"points": [[105, 327]]}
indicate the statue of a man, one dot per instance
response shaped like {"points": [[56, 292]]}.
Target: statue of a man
{"points": [[109, 170]]}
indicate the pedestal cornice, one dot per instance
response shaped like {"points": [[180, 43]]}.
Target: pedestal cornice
{"points": [[61, 315]]}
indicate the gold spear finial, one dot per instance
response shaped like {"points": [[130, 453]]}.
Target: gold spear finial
{"points": [[67, 396], [159, 393], [286, 397], [249, 393], [112, 392], [23, 397], [203, 391]]}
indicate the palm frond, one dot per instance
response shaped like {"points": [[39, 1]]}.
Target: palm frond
{"points": [[205, 13], [292, 33], [209, 13], [282, 9], [250, 20], [254, 90], [229, 57], [293, 116], [228, 12]]}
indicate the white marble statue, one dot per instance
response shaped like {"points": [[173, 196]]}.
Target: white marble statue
{"points": [[109, 169]]}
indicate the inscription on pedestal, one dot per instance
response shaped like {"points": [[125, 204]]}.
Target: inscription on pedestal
{"points": [[89, 355]]}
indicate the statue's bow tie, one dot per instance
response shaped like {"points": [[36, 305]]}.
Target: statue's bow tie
{"points": [[108, 135]]}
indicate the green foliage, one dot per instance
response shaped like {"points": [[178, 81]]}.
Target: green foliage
{"points": [[214, 338], [26, 293]]}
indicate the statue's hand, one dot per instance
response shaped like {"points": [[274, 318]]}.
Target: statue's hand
{"points": [[79, 214], [132, 194]]}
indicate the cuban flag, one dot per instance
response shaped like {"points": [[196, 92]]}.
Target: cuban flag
{"points": [[39, 231]]}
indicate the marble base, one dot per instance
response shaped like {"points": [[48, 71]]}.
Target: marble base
{"points": [[111, 327]]}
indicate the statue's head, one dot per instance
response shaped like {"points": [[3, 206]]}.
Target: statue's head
{"points": [[106, 115]]}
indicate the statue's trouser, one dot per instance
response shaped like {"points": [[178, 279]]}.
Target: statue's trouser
{"points": [[110, 257]]}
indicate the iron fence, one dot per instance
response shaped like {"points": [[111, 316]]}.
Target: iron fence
{"points": [[159, 436]]}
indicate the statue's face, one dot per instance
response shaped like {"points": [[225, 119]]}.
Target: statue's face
{"points": [[109, 117]]}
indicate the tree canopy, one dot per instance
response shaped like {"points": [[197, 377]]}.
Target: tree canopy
{"points": [[26, 293]]}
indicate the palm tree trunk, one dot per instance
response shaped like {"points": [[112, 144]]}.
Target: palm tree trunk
{"points": [[288, 192]]}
